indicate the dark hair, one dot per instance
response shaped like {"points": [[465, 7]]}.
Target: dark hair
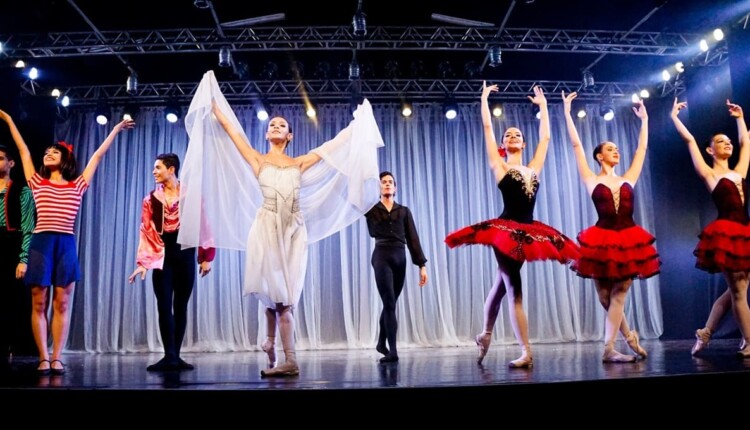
{"points": [[68, 164], [8, 155], [598, 150], [387, 173], [170, 160], [711, 139]]}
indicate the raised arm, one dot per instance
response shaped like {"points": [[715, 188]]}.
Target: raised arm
{"points": [[634, 172], [250, 154], [23, 150], [540, 155], [88, 172], [742, 163], [587, 175], [701, 167], [496, 162]]}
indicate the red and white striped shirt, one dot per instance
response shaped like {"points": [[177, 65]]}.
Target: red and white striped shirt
{"points": [[57, 204]]}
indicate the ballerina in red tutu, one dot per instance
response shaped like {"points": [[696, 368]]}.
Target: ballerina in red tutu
{"points": [[724, 245], [615, 250], [514, 236]]}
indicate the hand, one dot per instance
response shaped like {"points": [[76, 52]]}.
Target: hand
{"points": [[734, 110], [640, 111], [20, 270], [139, 270], [5, 117], [677, 107], [568, 101], [125, 124], [204, 268], [422, 276], [539, 99], [486, 90]]}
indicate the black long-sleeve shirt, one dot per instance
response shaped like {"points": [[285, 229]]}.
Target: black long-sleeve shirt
{"points": [[395, 228]]}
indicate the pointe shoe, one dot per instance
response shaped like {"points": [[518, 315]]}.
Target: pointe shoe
{"points": [[286, 369], [525, 361], [612, 356], [633, 341], [382, 349], [483, 342], [744, 352], [269, 347], [743, 344], [702, 337], [389, 358]]}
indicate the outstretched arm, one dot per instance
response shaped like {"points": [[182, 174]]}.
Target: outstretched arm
{"points": [[540, 155], [23, 150], [587, 175], [250, 154], [634, 172], [88, 172], [496, 162], [701, 167], [742, 163]]}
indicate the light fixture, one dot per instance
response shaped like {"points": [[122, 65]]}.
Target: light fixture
{"points": [[406, 110], [718, 34], [201, 4], [703, 45], [33, 73], [129, 111], [665, 75], [172, 111], [581, 113], [588, 79], [65, 101], [102, 113], [537, 112], [450, 108], [607, 111], [261, 112], [354, 67], [679, 66], [645, 94], [497, 110], [20, 64], [55, 93], [310, 111], [359, 23], [496, 56], [225, 57], [1, 46], [635, 98], [131, 85]]}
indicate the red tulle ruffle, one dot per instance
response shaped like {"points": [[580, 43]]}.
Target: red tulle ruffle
{"points": [[519, 241], [724, 246], [617, 255]]}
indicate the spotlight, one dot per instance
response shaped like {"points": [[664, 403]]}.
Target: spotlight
{"points": [[588, 79], [665, 75], [718, 34], [703, 45], [359, 23], [1, 47], [65, 101], [55, 93], [20, 64], [537, 113], [634, 98], [129, 111], [225, 57], [310, 111], [131, 85], [260, 110], [496, 56], [102, 113], [581, 113], [201, 4], [679, 66], [406, 110], [607, 111], [450, 109], [33, 73], [497, 111], [354, 67], [172, 112], [645, 94]]}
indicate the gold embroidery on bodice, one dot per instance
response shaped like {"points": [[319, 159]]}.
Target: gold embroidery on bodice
{"points": [[529, 184]]}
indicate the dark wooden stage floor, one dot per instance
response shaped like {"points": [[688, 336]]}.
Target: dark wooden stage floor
{"points": [[565, 369]]}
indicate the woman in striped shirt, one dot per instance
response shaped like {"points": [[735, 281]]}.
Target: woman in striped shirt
{"points": [[53, 259]]}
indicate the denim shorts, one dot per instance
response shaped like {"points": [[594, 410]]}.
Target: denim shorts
{"points": [[53, 260]]}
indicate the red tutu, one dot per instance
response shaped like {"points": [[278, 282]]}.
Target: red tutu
{"points": [[724, 246], [519, 241], [617, 255]]}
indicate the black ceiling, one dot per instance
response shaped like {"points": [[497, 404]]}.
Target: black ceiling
{"points": [[42, 17]]}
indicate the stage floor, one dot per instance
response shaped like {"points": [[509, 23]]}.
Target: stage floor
{"points": [[557, 367]]}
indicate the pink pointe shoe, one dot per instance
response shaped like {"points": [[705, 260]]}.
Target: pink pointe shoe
{"points": [[483, 342]]}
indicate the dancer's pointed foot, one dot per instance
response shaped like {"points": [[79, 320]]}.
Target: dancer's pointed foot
{"points": [[381, 348], [286, 369], [702, 338], [269, 347], [483, 342], [634, 342], [612, 356]]}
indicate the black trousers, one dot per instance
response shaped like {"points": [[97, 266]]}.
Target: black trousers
{"points": [[15, 300], [389, 263], [173, 286]]}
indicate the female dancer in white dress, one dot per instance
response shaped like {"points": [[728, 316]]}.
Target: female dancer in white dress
{"points": [[290, 199]]}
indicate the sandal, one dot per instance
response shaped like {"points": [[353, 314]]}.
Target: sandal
{"points": [[60, 371], [44, 372]]}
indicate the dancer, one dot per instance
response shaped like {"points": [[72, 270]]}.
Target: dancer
{"points": [[392, 226], [724, 245], [174, 270], [514, 236], [615, 250], [293, 201], [53, 260], [17, 219]]}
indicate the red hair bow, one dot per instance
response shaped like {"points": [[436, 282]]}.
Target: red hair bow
{"points": [[501, 151], [68, 146]]}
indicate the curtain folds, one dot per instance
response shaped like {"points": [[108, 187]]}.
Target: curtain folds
{"points": [[442, 176]]}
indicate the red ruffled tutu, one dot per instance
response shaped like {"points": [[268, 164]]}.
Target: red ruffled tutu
{"points": [[617, 255], [519, 241], [724, 246]]}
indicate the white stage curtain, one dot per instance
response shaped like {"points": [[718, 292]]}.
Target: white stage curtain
{"points": [[442, 176]]}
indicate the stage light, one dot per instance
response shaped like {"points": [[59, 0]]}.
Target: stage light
{"points": [[201, 4], [645, 94], [537, 113], [703, 45], [20, 64], [261, 112], [679, 66], [65, 101], [607, 111], [225, 57], [55, 93], [354, 67], [131, 85], [310, 110], [1, 47], [581, 113], [102, 113], [359, 23], [496, 56], [588, 79], [718, 34], [635, 98], [33, 73], [450, 109], [130, 111], [497, 110], [665, 75], [406, 110], [172, 111]]}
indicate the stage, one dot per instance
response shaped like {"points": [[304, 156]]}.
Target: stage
{"points": [[560, 369]]}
